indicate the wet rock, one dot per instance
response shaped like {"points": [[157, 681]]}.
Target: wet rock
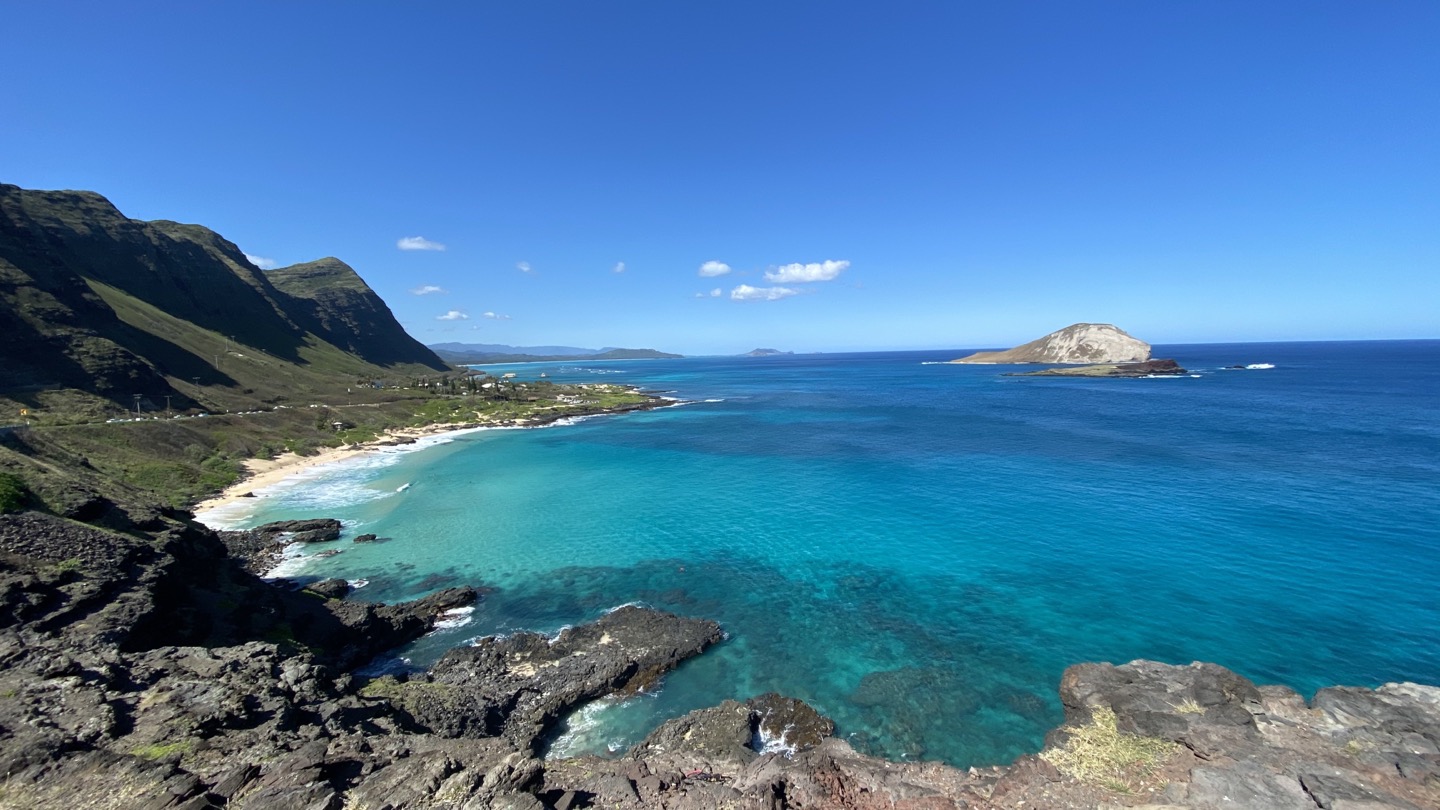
{"points": [[518, 686], [364, 538], [330, 588], [789, 723], [157, 667], [366, 629], [317, 530], [721, 734], [734, 734]]}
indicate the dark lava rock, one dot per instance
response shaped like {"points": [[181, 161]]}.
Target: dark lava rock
{"points": [[735, 733], [260, 548], [318, 530], [1205, 707], [518, 686], [367, 629], [1148, 368], [149, 669], [789, 723], [365, 538], [330, 588], [720, 734]]}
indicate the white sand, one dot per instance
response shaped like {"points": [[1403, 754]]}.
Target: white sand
{"points": [[262, 473]]}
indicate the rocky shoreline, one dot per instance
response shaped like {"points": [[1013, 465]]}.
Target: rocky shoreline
{"points": [[1147, 368], [148, 668]]}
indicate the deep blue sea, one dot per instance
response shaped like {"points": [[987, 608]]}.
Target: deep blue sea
{"points": [[918, 549]]}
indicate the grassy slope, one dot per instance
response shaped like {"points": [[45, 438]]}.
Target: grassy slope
{"points": [[250, 376], [176, 462]]}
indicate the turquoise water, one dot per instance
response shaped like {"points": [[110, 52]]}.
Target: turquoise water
{"points": [[920, 550]]}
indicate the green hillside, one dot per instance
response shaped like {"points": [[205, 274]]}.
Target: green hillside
{"points": [[99, 309]]}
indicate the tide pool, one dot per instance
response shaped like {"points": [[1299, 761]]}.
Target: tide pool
{"points": [[919, 549]]}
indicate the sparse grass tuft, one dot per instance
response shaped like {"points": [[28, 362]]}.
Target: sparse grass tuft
{"points": [[1099, 754], [14, 494], [1189, 706], [1354, 747], [68, 565]]}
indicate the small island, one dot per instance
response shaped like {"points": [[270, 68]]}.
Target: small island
{"points": [[1077, 344], [765, 353]]}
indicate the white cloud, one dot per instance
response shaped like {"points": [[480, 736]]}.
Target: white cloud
{"points": [[453, 315], [712, 268], [747, 293], [261, 262], [495, 317], [715, 293], [620, 267], [427, 289], [418, 243], [802, 273], [524, 267]]}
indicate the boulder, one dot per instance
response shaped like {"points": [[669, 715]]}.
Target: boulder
{"points": [[519, 685]]}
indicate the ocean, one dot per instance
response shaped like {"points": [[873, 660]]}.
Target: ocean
{"points": [[919, 549]]}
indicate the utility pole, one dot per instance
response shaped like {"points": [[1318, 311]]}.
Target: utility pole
{"points": [[167, 406]]}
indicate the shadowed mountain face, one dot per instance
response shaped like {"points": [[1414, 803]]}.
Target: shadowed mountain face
{"points": [[93, 300], [331, 300]]}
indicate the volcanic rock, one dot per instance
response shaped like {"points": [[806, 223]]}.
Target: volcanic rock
{"points": [[519, 685], [1078, 343]]}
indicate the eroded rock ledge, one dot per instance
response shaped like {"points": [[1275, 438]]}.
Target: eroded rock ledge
{"points": [[150, 670]]}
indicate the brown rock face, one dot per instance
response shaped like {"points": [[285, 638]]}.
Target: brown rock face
{"points": [[1077, 343]]}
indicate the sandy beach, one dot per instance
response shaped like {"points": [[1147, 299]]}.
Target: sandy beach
{"points": [[262, 473]]}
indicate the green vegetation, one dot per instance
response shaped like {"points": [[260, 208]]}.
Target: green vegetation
{"points": [[1099, 754], [70, 564], [145, 362], [409, 695], [14, 495], [178, 462]]}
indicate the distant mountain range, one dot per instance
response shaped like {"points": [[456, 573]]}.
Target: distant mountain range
{"points": [[504, 348], [96, 303], [479, 353]]}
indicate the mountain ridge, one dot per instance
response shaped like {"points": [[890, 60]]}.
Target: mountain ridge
{"points": [[482, 357], [98, 304]]}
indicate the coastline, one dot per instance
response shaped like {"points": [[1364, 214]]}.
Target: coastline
{"points": [[266, 473]]}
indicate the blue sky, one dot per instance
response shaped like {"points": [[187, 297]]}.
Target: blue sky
{"points": [[975, 174]]}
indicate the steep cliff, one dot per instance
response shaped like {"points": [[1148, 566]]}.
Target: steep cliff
{"points": [[95, 302], [331, 300]]}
